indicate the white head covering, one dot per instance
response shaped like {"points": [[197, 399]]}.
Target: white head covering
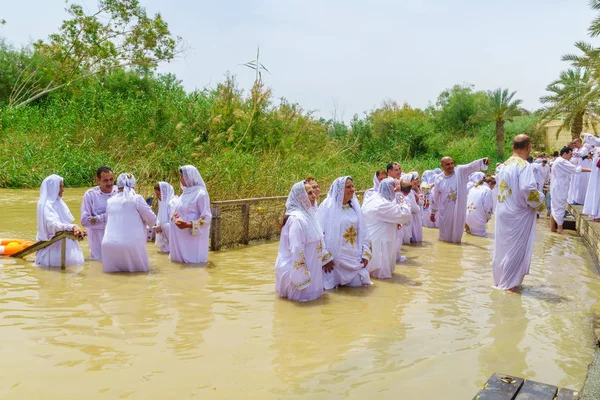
{"points": [[427, 177], [298, 205], [386, 189], [329, 216], [475, 177], [49, 199], [166, 194], [437, 171], [127, 182], [192, 178], [415, 175]]}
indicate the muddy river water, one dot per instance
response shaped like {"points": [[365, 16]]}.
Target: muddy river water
{"points": [[436, 330]]}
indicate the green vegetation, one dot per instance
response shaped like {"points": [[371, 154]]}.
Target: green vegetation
{"points": [[245, 143]]}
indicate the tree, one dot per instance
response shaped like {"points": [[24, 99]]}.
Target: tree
{"points": [[118, 35], [572, 96], [457, 108], [501, 108]]}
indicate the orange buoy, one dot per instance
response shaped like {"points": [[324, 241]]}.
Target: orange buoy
{"points": [[8, 247]]}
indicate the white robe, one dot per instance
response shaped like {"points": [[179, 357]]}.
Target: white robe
{"points": [[348, 269], [480, 207], [51, 256], [299, 266], [93, 218], [124, 242], [562, 170], [591, 206], [450, 201], [518, 202], [381, 220], [408, 228], [162, 239], [426, 189], [579, 182], [190, 245], [417, 218]]}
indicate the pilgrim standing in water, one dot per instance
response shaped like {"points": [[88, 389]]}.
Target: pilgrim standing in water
{"points": [[382, 214], [579, 182], [166, 205], [53, 216], [124, 243], [403, 191], [450, 197], [519, 199], [562, 169], [302, 257], [377, 178], [591, 206], [93, 210], [416, 222], [316, 190], [426, 189], [480, 207], [189, 232], [345, 236]]}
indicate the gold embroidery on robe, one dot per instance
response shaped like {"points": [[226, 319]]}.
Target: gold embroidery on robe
{"points": [[520, 162], [534, 196], [301, 263], [350, 235], [505, 191], [452, 195]]}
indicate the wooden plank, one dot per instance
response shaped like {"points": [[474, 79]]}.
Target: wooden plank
{"points": [[500, 387], [246, 223], [567, 394], [43, 244], [215, 235], [532, 390], [63, 254]]}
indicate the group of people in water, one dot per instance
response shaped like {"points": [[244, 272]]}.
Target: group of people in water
{"points": [[343, 243], [338, 242], [116, 221]]}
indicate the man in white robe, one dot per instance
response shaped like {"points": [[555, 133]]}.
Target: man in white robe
{"points": [[562, 169], [93, 210], [591, 206], [403, 190], [382, 214], [450, 197], [518, 201], [579, 182]]}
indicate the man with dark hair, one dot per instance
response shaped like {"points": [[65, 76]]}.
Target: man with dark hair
{"points": [[450, 197], [562, 169], [394, 170], [519, 199], [93, 209]]}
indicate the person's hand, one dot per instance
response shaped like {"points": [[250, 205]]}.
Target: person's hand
{"points": [[327, 268], [78, 232], [365, 262], [486, 161], [432, 217], [159, 229], [183, 224]]}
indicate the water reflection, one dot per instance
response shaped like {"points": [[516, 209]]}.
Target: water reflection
{"points": [[220, 331]]}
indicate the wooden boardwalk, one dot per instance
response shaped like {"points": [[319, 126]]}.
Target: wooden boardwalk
{"points": [[507, 387], [64, 235]]}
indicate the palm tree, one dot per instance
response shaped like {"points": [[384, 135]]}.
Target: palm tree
{"points": [[501, 108], [573, 96]]}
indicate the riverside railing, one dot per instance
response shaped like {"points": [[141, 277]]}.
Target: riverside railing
{"points": [[240, 222]]}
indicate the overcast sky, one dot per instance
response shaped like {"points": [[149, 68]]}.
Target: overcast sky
{"points": [[350, 55]]}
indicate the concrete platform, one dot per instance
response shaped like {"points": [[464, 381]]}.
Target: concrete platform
{"points": [[588, 230]]}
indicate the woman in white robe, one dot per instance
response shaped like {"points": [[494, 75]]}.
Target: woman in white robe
{"points": [[474, 179], [480, 207], [382, 214], [53, 216], [124, 242], [345, 235], [416, 222], [426, 188], [302, 256], [166, 204], [189, 233], [377, 178]]}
